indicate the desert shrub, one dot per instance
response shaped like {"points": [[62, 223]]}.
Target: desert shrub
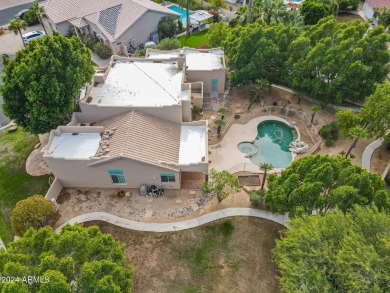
{"points": [[237, 116], [102, 51], [90, 41], [1, 31], [256, 197], [71, 31], [140, 53], [35, 212], [169, 44]]}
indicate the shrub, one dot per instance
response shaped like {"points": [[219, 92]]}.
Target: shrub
{"points": [[237, 116], [169, 44], [102, 51], [256, 197], [71, 31], [1, 31], [274, 103], [140, 53], [90, 41], [167, 27], [35, 212], [330, 133]]}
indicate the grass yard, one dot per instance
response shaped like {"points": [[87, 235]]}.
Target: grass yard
{"points": [[194, 40], [231, 255], [348, 17], [15, 183]]}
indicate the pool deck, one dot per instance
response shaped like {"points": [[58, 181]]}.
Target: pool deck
{"points": [[226, 156]]}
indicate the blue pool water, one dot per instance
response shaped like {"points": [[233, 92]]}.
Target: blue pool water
{"points": [[182, 12], [273, 141]]}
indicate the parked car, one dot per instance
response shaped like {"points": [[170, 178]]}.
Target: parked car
{"points": [[21, 13], [28, 37], [31, 20]]}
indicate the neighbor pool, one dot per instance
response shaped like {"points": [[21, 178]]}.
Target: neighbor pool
{"points": [[272, 141], [182, 12]]}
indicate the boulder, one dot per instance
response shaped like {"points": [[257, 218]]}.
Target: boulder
{"points": [[12, 128], [239, 111]]}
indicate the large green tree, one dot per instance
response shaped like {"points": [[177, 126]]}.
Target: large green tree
{"points": [[222, 184], [313, 10], [270, 10], [217, 33], [322, 183], [77, 257], [42, 82], [258, 52], [373, 120], [336, 253], [167, 27], [334, 61]]}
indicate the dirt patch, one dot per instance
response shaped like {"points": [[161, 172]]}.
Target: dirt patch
{"points": [[380, 159], [249, 180], [232, 255]]}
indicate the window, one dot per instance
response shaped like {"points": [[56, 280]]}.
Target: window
{"points": [[168, 177], [117, 176]]}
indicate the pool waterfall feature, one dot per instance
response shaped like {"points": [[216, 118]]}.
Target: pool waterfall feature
{"points": [[271, 144]]}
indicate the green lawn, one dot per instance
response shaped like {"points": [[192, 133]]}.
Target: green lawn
{"points": [[15, 183], [347, 17], [194, 40]]}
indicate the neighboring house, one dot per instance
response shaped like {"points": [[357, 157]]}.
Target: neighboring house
{"points": [[117, 23], [134, 124], [370, 5]]}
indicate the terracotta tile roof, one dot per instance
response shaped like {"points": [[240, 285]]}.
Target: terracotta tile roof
{"points": [[378, 3], [142, 137], [113, 17]]}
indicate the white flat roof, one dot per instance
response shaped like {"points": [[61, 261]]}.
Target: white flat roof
{"points": [[80, 146], [192, 144], [203, 61], [140, 83], [163, 55]]}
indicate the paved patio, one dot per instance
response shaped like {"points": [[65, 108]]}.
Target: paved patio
{"points": [[175, 203]]}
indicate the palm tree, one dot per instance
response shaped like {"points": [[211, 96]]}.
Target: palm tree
{"points": [[185, 4], [383, 16], [16, 25], [37, 11], [356, 133], [271, 9], [265, 167], [314, 110]]}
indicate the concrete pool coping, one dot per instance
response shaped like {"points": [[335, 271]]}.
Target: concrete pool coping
{"points": [[226, 156]]}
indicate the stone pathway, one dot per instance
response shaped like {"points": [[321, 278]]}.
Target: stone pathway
{"points": [[367, 153], [177, 226], [35, 165]]}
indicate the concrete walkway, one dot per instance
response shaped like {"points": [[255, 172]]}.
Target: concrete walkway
{"points": [[367, 153], [177, 226]]}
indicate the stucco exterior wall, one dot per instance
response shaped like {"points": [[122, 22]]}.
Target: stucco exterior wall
{"points": [[77, 173], [368, 10], [94, 113], [206, 77], [62, 27], [141, 29]]}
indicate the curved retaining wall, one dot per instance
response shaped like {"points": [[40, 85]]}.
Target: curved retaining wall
{"points": [[177, 226]]}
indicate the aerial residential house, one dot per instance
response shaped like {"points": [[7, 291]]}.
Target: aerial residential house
{"points": [[370, 5], [134, 124], [128, 150], [118, 23]]}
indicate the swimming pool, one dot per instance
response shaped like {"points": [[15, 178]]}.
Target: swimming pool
{"points": [[182, 11], [272, 141]]}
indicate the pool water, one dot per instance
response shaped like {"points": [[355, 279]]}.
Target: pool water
{"points": [[273, 141], [182, 11]]}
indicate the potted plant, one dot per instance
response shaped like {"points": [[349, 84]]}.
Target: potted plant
{"points": [[223, 111], [198, 110], [219, 123]]}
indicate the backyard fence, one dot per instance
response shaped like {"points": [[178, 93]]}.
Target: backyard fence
{"points": [[284, 112]]}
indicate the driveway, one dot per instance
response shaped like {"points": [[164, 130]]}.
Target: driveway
{"points": [[10, 43]]}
